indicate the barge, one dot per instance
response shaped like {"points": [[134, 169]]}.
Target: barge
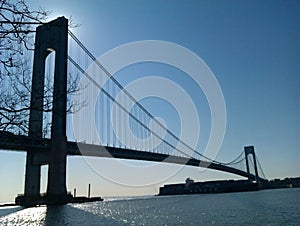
{"points": [[220, 186]]}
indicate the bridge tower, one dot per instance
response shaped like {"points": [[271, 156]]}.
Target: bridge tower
{"points": [[249, 150], [52, 36]]}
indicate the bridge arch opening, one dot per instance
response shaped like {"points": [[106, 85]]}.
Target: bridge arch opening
{"points": [[44, 178], [48, 92]]}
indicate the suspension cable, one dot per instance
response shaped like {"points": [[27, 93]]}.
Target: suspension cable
{"points": [[235, 160], [261, 169], [121, 106], [135, 101]]}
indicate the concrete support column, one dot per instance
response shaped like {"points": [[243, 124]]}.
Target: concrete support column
{"points": [[33, 170], [32, 176], [250, 151], [56, 189], [255, 167], [52, 36], [247, 164], [57, 169]]}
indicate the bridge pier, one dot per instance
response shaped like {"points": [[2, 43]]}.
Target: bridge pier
{"points": [[32, 176], [249, 150], [56, 189], [52, 36]]}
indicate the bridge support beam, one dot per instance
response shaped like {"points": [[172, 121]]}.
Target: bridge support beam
{"points": [[249, 150]]}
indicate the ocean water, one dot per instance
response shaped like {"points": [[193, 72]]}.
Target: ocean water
{"points": [[267, 207]]}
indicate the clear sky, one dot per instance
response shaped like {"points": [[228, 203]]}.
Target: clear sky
{"points": [[253, 49]]}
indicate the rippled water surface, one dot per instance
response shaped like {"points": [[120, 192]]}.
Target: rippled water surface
{"points": [[268, 207]]}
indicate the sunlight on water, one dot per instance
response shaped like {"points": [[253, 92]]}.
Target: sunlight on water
{"points": [[267, 207], [29, 216]]}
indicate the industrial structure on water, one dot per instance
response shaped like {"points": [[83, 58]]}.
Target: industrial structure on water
{"points": [[223, 186]]}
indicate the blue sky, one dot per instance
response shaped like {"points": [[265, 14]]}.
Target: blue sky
{"points": [[253, 49]]}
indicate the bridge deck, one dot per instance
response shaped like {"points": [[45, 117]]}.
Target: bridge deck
{"points": [[23, 143]]}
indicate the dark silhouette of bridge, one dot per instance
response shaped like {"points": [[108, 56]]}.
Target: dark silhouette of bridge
{"points": [[53, 36]]}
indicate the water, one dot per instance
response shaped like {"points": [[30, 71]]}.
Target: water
{"points": [[267, 207]]}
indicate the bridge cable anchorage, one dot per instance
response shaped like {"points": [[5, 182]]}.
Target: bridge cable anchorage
{"points": [[123, 108], [134, 100]]}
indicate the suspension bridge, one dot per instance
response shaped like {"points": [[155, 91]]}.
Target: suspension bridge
{"points": [[150, 143]]}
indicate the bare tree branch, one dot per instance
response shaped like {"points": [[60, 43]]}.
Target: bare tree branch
{"points": [[17, 22]]}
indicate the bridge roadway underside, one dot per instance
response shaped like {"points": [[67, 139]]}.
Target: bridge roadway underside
{"points": [[42, 147]]}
